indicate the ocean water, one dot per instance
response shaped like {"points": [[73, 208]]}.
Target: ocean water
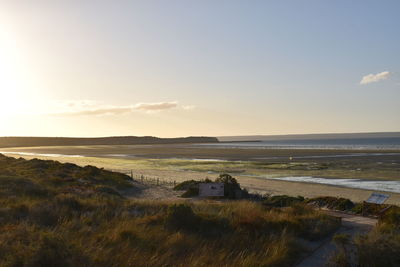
{"points": [[386, 186], [387, 143]]}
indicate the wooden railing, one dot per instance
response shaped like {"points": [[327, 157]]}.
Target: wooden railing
{"points": [[146, 179]]}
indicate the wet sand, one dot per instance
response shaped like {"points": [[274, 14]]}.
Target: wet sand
{"points": [[204, 152]]}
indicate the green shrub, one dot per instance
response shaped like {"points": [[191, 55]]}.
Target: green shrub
{"points": [[344, 204], [231, 186], [282, 201], [186, 185], [366, 208], [191, 187], [332, 203], [191, 192], [392, 217]]}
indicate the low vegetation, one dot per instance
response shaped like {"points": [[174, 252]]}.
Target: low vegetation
{"points": [[341, 257], [381, 247], [282, 201], [232, 188], [191, 187], [378, 248], [333, 203], [55, 214], [344, 204]]}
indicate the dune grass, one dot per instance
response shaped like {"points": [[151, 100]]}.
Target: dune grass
{"points": [[55, 214], [73, 231], [381, 247]]}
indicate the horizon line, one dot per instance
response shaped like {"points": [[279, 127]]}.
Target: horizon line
{"points": [[216, 136]]}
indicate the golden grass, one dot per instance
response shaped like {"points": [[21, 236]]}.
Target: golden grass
{"points": [[43, 224], [135, 233]]}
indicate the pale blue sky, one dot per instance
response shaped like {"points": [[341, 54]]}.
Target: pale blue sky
{"points": [[175, 68]]}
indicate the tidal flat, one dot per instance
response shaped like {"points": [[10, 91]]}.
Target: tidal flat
{"points": [[329, 163], [259, 170]]}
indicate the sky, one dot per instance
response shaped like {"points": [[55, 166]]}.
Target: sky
{"points": [[194, 68]]}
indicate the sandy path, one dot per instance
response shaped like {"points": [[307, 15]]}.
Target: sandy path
{"points": [[351, 225], [146, 192]]}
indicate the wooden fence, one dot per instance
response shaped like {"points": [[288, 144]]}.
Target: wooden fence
{"points": [[146, 179]]}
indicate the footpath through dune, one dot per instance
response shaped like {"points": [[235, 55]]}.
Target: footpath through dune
{"points": [[150, 192], [320, 251], [352, 225]]}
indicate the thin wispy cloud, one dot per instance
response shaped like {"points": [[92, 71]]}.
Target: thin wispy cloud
{"points": [[111, 110], [93, 108], [372, 78], [156, 106]]}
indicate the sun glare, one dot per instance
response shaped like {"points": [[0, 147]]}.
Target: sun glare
{"points": [[12, 87]]}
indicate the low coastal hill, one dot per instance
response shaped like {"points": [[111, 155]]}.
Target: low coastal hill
{"points": [[115, 140]]}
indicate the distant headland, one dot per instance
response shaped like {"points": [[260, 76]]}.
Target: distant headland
{"points": [[113, 140]]}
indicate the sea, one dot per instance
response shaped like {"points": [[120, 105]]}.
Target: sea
{"points": [[381, 143]]}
